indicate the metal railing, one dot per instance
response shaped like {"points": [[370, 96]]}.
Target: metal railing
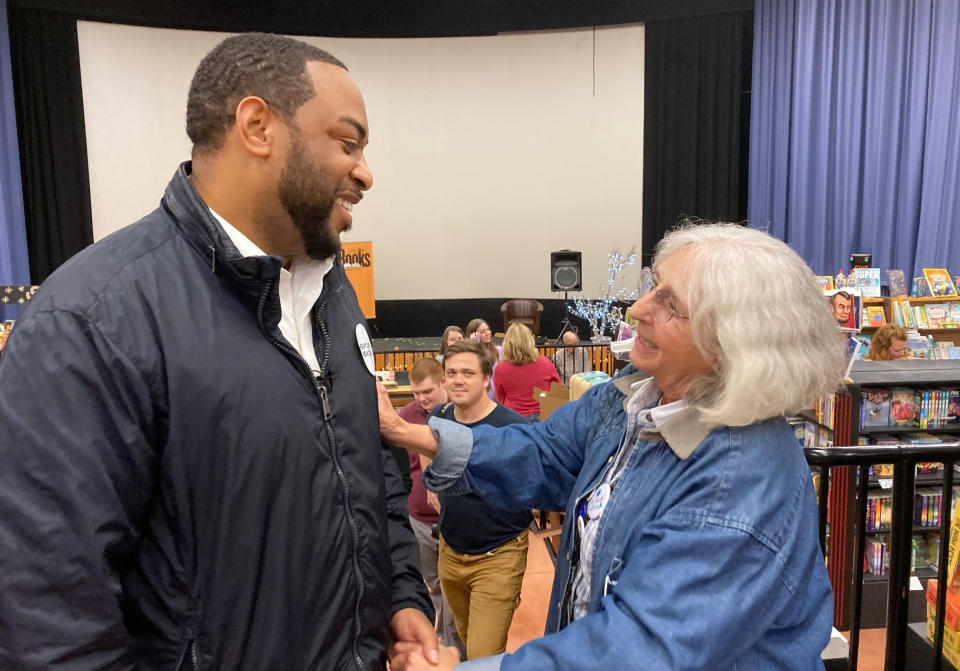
{"points": [[904, 458]]}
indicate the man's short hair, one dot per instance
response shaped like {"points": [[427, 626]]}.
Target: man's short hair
{"points": [[271, 67], [842, 294], [470, 347], [427, 367]]}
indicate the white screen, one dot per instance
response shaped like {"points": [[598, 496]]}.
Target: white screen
{"points": [[487, 153]]}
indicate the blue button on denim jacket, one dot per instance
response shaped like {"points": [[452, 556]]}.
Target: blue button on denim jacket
{"points": [[705, 562]]}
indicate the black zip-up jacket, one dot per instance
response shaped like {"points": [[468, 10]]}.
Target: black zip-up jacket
{"points": [[177, 490]]}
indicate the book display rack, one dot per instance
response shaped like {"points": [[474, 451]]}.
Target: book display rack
{"points": [[890, 402]]}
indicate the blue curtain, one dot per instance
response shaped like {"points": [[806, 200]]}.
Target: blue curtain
{"points": [[855, 130], [14, 268]]}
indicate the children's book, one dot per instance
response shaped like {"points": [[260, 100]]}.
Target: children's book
{"points": [[953, 406], [875, 407], [864, 340], [953, 318], [855, 352], [936, 313], [920, 316], [825, 282], [847, 307], [868, 280], [919, 346], [876, 315], [902, 406], [897, 282], [903, 314], [918, 288], [939, 282]]}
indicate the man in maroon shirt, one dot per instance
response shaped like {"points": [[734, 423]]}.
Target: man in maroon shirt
{"points": [[426, 383]]}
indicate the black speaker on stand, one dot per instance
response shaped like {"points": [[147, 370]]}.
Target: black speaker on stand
{"points": [[565, 276]]}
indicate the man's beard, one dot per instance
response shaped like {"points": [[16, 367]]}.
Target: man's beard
{"points": [[308, 198]]}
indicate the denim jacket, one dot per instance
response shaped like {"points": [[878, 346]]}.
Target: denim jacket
{"points": [[707, 554]]}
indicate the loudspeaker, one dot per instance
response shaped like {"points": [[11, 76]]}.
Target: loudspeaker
{"points": [[565, 270]]}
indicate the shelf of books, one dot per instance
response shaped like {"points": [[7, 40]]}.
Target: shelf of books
{"points": [[899, 402], [929, 311]]}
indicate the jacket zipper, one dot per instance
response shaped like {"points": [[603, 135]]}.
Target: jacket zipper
{"points": [[320, 386], [189, 652]]}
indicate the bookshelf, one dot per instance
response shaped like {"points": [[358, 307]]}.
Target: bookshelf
{"points": [[893, 303], [914, 374]]}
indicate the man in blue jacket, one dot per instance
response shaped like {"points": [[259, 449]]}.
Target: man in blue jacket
{"points": [[192, 472]]}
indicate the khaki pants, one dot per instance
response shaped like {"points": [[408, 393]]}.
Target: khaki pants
{"points": [[429, 555], [483, 591]]}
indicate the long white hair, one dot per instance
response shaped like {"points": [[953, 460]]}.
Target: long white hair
{"points": [[756, 309]]}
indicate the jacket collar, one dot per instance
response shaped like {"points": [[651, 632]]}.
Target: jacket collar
{"points": [[683, 433], [247, 276]]}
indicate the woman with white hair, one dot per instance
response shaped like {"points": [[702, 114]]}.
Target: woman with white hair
{"points": [[690, 538]]}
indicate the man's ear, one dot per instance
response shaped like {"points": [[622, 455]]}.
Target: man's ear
{"points": [[257, 126]]}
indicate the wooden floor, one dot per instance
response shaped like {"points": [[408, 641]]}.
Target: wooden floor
{"points": [[530, 617]]}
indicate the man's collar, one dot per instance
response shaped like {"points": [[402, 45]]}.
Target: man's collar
{"points": [[683, 432]]}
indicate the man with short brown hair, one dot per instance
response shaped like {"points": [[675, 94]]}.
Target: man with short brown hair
{"points": [[423, 506], [483, 549]]}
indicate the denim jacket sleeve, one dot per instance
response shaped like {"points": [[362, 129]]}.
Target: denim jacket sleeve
{"points": [[517, 466], [695, 594]]}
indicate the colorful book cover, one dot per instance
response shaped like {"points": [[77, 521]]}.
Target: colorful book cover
{"points": [[902, 406], [864, 340], [939, 282], [918, 288], [954, 312], [847, 307], [896, 282], [907, 312], [936, 314], [954, 352], [825, 282], [921, 417], [919, 346], [875, 407], [855, 352], [868, 280], [876, 316], [920, 316]]}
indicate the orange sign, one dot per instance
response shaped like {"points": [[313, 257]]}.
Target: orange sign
{"points": [[357, 259]]}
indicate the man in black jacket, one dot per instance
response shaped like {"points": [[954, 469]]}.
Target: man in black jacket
{"points": [[192, 476]]}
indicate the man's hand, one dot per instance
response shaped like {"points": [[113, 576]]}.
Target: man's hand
{"points": [[408, 657], [412, 633], [433, 500]]}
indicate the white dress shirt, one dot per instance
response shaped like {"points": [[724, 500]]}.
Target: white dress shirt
{"points": [[299, 289]]}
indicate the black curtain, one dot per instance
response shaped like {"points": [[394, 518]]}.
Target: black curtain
{"points": [[697, 121], [383, 18], [50, 129]]}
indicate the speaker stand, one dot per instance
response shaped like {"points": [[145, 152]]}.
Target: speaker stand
{"points": [[566, 325]]}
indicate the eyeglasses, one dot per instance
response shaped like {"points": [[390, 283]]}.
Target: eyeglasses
{"points": [[666, 308]]}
